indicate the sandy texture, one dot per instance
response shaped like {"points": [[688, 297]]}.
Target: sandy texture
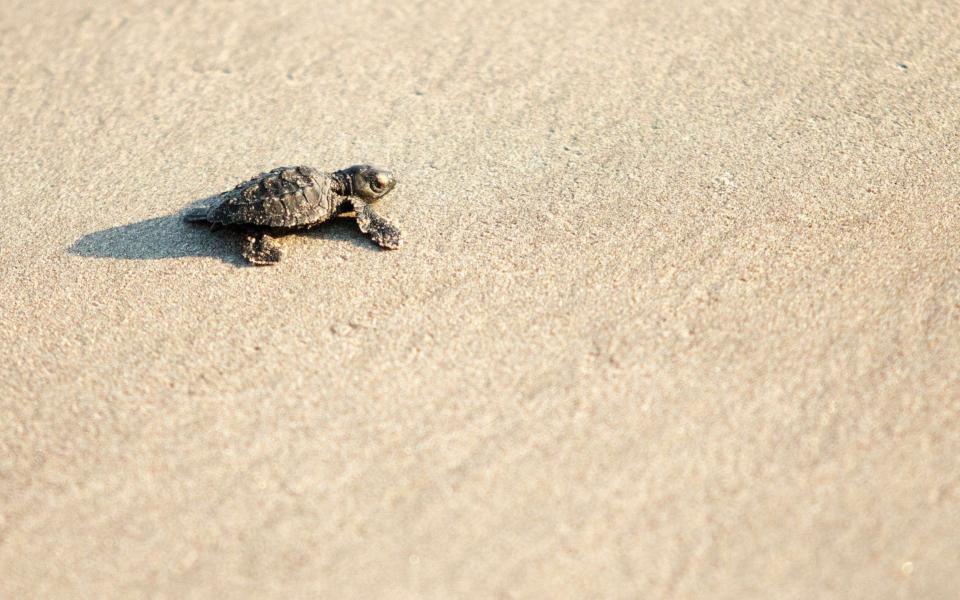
{"points": [[678, 313]]}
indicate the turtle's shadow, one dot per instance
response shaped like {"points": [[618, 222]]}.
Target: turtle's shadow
{"points": [[171, 237]]}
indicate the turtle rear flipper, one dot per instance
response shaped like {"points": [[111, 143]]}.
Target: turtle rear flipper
{"points": [[261, 249], [196, 215]]}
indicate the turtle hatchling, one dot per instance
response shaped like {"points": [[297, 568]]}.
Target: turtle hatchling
{"points": [[296, 198]]}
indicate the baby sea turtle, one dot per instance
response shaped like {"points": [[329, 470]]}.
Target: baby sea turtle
{"points": [[292, 198]]}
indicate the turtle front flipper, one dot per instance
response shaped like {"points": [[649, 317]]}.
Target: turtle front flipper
{"points": [[378, 227], [261, 249]]}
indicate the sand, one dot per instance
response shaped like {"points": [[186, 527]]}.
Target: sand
{"points": [[677, 315]]}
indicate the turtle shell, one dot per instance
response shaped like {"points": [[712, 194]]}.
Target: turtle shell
{"points": [[284, 197]]}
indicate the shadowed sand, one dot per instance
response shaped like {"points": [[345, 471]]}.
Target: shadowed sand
{"points": [[161, 237], [171, 237]]}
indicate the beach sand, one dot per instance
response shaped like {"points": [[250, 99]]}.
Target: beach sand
{"points": [[677, 313]]}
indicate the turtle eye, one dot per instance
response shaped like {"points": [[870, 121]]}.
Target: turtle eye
{"points": [[375, 185]]}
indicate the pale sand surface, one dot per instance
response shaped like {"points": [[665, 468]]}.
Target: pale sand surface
{"points": [[677, 314]]}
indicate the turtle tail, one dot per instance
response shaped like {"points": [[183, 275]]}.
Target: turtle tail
{"points": [[196, 215]]}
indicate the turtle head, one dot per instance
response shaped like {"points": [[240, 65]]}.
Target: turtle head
{"points": [[366, 182]]}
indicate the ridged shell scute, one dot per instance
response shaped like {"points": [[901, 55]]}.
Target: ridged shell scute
{"points": [[284, 197]]}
